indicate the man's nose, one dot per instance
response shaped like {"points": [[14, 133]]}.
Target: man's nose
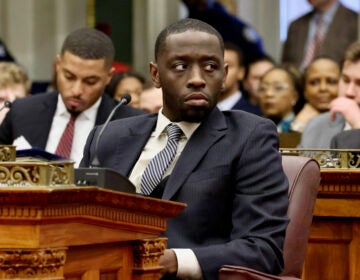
{"points": [[77, 88], [351, 90], [196, 78]]}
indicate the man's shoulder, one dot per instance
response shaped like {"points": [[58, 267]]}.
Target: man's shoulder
{"points": [[35, 99], [304, 19], [342, 10]]}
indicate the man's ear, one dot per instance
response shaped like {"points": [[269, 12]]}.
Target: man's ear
{"points": [[226, 69], [154, 72]]}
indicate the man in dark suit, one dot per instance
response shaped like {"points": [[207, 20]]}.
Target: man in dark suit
{"points": [[340, 29], [227, 167], [83, 69]]}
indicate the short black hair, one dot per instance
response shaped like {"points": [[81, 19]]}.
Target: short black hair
{"points": [[89, 43], [183, 26], [260, 58], [228, 46]]}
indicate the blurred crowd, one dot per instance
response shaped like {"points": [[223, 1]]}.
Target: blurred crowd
{"points": [[317, 77]]}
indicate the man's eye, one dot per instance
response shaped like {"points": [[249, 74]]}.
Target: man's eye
{"points": [[69, 77], [180, 66], [90, 82], [210, 67]]}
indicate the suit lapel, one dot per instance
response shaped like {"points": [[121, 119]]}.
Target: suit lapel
{"points": [[105, 107], [137, 134], [43, 119], [208, 133]]}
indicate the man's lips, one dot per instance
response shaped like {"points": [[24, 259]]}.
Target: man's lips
{"points": [[73, 102], [196, 99]]}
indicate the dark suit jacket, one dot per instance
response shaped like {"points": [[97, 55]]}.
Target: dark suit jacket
{"points": [[229, 175], [245, 105], [348, 139], [342, 31], [32, 116]]}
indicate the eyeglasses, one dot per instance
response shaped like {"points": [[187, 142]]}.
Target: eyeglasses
{"points": [[277, 88]]}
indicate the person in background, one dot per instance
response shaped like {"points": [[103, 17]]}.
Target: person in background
{"points": [[231, 28], [224, 165], [60, 121], [321, 79], [253, 72], [325, 31], [151, 100], [231, 98], [14, 84], [344, 111], [279, 93], [127, 82]]}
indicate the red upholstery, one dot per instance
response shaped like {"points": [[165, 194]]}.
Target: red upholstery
{"points": [[304, 179]]}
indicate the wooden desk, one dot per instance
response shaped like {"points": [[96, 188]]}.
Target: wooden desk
{"points": [[333, 251], [81, 233]]}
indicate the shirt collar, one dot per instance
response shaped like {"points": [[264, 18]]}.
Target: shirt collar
{"points": [[229, 103], [329, 14], [188, 128]]}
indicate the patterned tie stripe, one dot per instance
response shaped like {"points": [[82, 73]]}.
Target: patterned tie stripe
{"points": [[155, 170], [64, 147], [315, 46]]}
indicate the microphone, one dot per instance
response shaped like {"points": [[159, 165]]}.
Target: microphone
{"points": [[125, 99], [7, 104], [94, 175]]}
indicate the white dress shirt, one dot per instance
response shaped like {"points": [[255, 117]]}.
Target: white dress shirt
{"points": [[84, 123], [188, 265], [229, 103]]}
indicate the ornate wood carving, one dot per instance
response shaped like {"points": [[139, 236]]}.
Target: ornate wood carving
{"points": [[147, 252], [37, 263], [7, 153]]}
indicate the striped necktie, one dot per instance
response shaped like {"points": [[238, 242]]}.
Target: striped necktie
{"points": [[155, 170], [316, 44], [64, 147]]}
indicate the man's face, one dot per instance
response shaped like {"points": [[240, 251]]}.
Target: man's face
{"points": [[81, 82], [349, 84], [191, 72], [234, 73], [256, 71]]}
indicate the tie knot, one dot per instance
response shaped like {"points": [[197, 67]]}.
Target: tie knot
{"points": [[173, 132]]}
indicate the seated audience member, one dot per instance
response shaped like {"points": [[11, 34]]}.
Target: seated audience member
{"points": [[348, 139], [344, 111], [279, 93], [231, 98], [151, 100], [14, 84], [59, 122], [253, 71], [127, 82], [321, 79], [224, 165]]}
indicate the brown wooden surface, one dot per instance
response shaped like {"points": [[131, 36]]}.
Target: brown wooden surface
{"points": [[333, 251], [81, 233]]}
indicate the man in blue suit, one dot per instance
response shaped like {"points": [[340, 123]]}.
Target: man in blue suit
{"points": [[227, 167]]}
